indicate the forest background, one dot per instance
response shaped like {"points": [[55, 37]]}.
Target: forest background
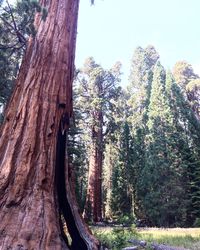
{"points": [[134, 150]]}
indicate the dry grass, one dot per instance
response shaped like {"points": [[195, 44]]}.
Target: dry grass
{"points": [[194, 232], [183, 237], [195, 246], [188, 238]]}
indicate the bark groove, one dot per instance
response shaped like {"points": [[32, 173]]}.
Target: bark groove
{"points": [[30, 189], [93, 206]]}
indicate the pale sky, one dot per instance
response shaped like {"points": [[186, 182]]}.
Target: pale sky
{"points": [[112, 29]]}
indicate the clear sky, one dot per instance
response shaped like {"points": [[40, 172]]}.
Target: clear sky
{"points": [[111, 30]]}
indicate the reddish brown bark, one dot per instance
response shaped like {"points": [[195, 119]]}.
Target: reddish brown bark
{"points": [[93, 206], [34, 181]]}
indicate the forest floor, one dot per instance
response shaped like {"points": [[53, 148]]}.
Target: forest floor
{"points": [[116, 238]]}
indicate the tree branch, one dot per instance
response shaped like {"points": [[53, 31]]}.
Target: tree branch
{"points": [[9, 46], [21, 38]]}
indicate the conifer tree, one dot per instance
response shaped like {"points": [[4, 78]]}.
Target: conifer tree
{"points": [[111, 155], [77, 155], [35, 190], [122, 175], [99, 90], [140, 80], [190, 83], [16, 26], [189, 128], [193, 94], [183, 73], [162, 127], [110, 158], [162, 179]]}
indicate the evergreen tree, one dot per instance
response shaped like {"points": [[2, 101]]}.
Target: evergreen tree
{"points": [[190, 84], [16, 25], [77, 156], [183, 73], [162, 178], [35, 190], [99, 90], [143, 63], [189, 128], [193, 94], [111, 155], [140, 79], [122, 176], [110, 158]]}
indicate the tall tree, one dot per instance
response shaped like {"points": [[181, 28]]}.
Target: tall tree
{"points": [[16, 25], [123, 175], [99, 90], [143, 63], [183, 73], [140, 79], [34, 180], [189, 128], [77, 152], [111, 156], [164, 176], [190, 83], [193, 94]]}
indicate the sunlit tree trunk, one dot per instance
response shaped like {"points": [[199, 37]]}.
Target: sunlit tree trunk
{"points": [[34, 180], [108, 173], [93, 206], [193, 94]]}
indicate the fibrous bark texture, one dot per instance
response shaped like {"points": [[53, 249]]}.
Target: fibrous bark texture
{"points": [[34, 181], [93, 206]]}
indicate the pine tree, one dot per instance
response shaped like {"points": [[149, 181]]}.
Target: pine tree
{"points": [[193, 94], [122, 175], [111, 154], [189, 128], [77, 156], [183, 73], [162, 127], [140, 79], [162, 179], [143, 63], [190, 84]]}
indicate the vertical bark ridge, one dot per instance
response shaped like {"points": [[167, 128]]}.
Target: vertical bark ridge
{"points": [[93, 207], [29, 208], [81, 238]]}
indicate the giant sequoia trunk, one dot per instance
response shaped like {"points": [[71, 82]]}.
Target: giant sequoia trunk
{"points": [[34, 181], [93, 206]]}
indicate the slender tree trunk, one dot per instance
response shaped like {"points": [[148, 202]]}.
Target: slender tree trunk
{"points": [[194, 98], [108, 183], [93, 206], [34, 181]]}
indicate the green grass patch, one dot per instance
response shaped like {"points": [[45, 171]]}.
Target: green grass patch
{"points": [[116, 238], [175, 237]]}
